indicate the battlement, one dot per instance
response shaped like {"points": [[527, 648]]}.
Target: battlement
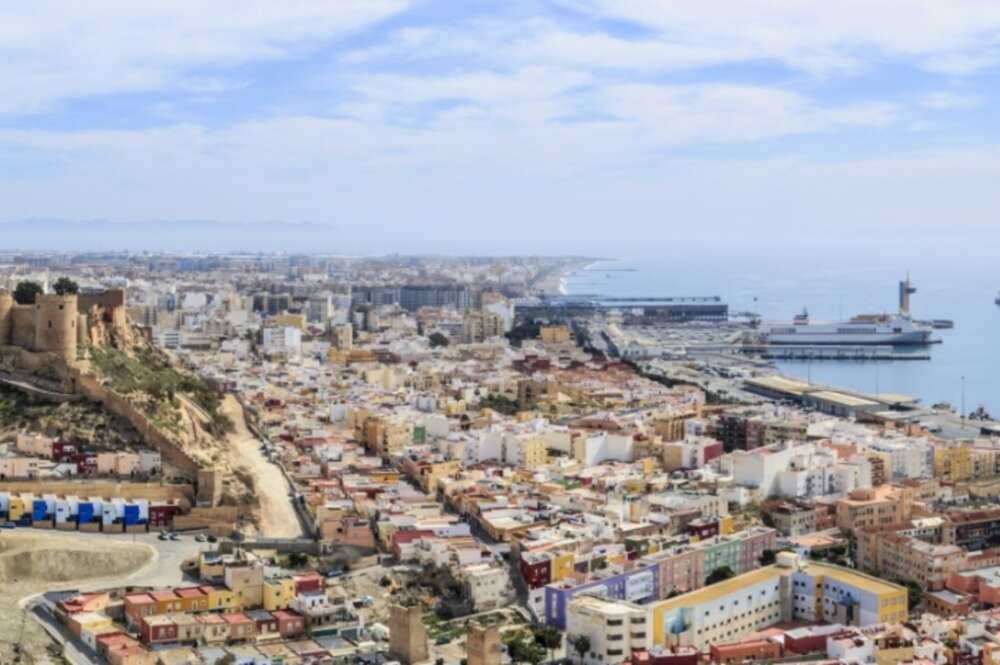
{"points": [[59, 324]]}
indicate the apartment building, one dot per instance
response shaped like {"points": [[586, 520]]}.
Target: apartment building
{"points": [[792, 589], [877, 506], [616, 629]]}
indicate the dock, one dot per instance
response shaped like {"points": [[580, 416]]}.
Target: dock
{"points": [[832, 352]]}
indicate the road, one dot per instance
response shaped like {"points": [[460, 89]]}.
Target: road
{"points": [[278, 518], [162, 569]]}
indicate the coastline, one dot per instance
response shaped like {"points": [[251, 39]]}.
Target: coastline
{"points": [[566, 274], [556, 282]]}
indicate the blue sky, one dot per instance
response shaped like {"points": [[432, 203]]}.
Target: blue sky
{"points": [[509, 126]]}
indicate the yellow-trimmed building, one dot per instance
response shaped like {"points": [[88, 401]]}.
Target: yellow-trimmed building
{"points": [[791, 590]]}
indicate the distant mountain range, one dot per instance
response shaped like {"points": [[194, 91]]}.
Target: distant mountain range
{"points": [[170, 235]]}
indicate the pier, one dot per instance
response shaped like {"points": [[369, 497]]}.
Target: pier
{"points": [[832, 352]]}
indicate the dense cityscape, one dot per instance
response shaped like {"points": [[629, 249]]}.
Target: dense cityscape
{"points": [[305, 459], [502, 332]]}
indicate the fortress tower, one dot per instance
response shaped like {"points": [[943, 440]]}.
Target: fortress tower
{"points": [[55, 325], [6, 315], [407, 634]]}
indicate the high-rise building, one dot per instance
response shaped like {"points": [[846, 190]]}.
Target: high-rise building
{"points": [[319, 308]]}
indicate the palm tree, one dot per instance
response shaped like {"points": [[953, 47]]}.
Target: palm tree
{"points": [[580, 644]]}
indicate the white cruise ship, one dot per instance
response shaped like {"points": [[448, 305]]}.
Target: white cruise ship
{"points": [[896, 329]]}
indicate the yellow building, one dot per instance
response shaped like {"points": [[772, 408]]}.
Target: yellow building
{"points": [[890, 649], [278, 594], [428, 474], [727, 525], [563, 566], [18, 506], [953, 463], [247, 585], [534, 453], [558, 334], [221, 598], [389, 476], [291, 321], [454, 407]]}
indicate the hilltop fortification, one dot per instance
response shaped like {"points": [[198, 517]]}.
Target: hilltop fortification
{"points": [[62, 324]]}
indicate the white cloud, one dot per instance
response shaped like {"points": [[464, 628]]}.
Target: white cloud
{"points": [[946, 101], [724, 113], [958, 36], [52, 51], [481, 87], [579, 188]]}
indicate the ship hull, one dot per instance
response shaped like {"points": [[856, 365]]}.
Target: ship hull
{"points": [[805, 338]]}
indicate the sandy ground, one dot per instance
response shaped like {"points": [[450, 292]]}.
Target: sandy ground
{"points": [[33, 562], [277, 514]]}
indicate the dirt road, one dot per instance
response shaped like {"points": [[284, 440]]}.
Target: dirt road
{"points": [[277, 514], [32, 561]]}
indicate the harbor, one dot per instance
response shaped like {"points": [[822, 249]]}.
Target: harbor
{"points": [[833, 352]]}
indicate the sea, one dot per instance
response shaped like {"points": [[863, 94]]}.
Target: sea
{"points": [[963, 369]]}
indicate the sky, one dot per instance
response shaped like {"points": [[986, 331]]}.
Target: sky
{"points": [[481, 126]]}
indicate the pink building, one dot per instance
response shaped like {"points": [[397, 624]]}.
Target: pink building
{"points": [[755, 541], [680, 571]]}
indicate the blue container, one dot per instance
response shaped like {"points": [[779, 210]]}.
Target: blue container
{"points": [[86, 513], [131, 515], [25, 520], [39, 511]]}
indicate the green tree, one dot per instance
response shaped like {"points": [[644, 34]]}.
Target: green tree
{"points": [[580, 644], [524, 652], [770, 556], [65, 286], [548, 638], [914, 592], [719, 574], [437, 339], [26, 292]]}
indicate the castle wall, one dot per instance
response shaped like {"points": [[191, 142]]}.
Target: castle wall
{"points": [[91, 387], [55, 325], [106, 299], [82, 338], [6, 305], [42, 369], [22, 326]]}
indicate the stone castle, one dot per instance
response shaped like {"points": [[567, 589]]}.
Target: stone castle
{"points": [[61, 324]]}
